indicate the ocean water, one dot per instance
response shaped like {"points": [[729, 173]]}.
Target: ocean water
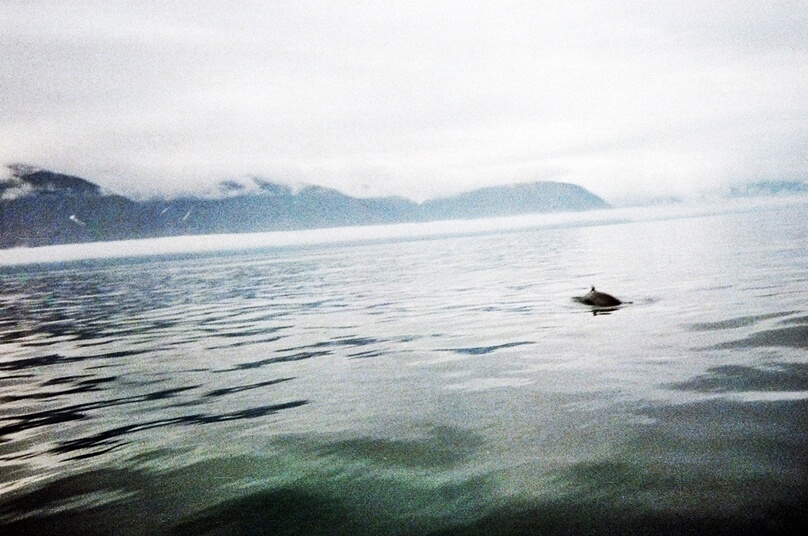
{"points": [[431, 380]]}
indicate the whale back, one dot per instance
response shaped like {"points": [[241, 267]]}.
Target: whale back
{"points": [[600, 299]]}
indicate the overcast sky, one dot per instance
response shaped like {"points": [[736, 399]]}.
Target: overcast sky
{"points": [[414, 98]]}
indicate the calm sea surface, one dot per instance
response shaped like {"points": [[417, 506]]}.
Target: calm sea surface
{"points": [[445, 383]]}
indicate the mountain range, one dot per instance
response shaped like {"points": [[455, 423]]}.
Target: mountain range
{"points": [[40, 207]]}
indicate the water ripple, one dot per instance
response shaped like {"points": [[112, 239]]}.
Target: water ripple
{"points": [[290, 388], [482, 350], [110, 439]]}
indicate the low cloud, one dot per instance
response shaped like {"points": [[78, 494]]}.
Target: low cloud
{"points": [[408, 98]]}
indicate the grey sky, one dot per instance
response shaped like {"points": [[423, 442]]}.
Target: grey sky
{"points": [[415, 98]]}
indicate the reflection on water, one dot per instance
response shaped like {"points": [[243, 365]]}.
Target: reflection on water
{"points": [[772, 377], [440, 386]]}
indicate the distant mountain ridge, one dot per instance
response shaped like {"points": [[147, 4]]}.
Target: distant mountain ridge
{"points": [[40, 207], [769, 188]]}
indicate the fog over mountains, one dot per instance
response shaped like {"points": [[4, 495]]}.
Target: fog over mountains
{"points": [[40, 207]]}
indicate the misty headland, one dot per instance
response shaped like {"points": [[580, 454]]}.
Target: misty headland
{"points": [[40, 207]]}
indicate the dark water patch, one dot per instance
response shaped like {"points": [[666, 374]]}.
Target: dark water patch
{"points": [[118, 354], [239, 344], [45, 332], [57, 359], [315, 304], [77, 412], [366, 354], [100, 366], [353, 341], [329, 500], [35, 362], [503, 309], [80, 387], [791, 337], [347, 340], [167, 393], [287, 511], [734, 467], [738, 378], [10, 472], [270, 316], [381, 305], [739, 442], [231, 390], [482, 350], [107, 440], [298, 356], [13, 377], [217, 333], [715, 467], [44, 512], [48, 342], [66, 379], [442, 448], [144, 325], [250, 413], [39, 419], [357, 486], [94, 343], [799, 320], [737, 322], [715, 287], [576, 515], [369, 506]]}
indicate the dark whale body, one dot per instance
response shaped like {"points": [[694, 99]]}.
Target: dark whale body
{"points": [[599, 299]]}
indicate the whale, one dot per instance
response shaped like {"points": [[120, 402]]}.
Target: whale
{"points": [[599, 299]]}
